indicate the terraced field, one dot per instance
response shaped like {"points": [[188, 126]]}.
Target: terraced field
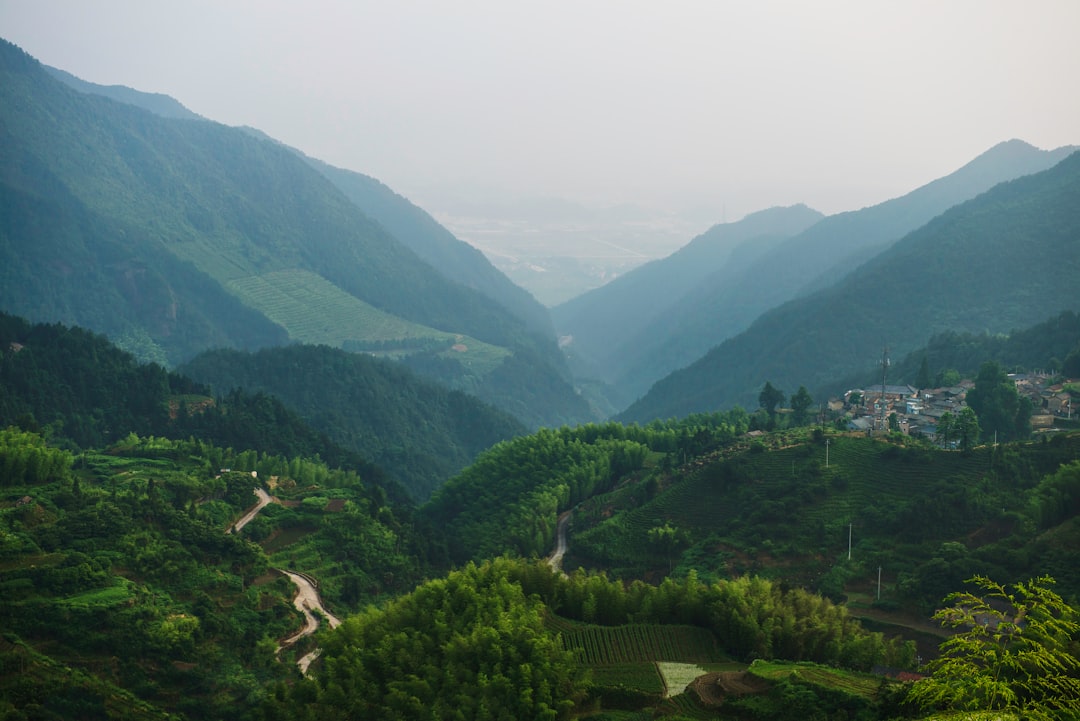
{"points": [[610, 645], [855, 684], [315, 311], [789, 488]]}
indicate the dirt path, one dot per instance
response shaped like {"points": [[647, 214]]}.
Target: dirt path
{"points": [[307, 597], [555, 559], [265, 499]]}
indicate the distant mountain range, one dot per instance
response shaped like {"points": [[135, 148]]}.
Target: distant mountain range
{"points": [[173, 234], [734, 289], [599, 325], [1003, 260]]}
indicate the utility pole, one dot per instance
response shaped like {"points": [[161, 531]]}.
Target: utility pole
{"points": [[884, 373], [826, 452], [849, 541]]}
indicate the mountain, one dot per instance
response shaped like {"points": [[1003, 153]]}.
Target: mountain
{"points": [[598, 324], [1000, 261], [156, 103], [452, 257], [176, 235], [727, 302]]}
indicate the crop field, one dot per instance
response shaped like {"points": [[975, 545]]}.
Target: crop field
{"points": [[855, 684], [315, 311], [642, 676], [609, 645], [789, 490]]}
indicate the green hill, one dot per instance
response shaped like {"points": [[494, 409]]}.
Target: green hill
{"points": [[417, 430], [1000, 261], [176, 235]]}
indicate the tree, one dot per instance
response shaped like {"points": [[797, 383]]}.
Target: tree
{"points": [[770, 398], [800, 405], [946, 428], [923, 380], [1011, 652], [997, 404], [967, 429]]}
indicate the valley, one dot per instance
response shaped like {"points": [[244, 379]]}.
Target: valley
{"points": [[277, 443]]}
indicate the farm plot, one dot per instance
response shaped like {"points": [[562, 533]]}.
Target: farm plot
{"points": [[610, 645], [315, 311], [855, 684]]}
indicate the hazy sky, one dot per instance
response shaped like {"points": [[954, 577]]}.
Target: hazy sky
{"points": [[739, 105]]}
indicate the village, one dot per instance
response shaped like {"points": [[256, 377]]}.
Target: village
{"points": [[917, 412]]}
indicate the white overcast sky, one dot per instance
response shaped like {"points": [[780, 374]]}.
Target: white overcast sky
{"points": [[736, 104]]}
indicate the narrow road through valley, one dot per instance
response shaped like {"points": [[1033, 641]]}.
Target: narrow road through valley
{"points": [[307, 597], [555, 559]]}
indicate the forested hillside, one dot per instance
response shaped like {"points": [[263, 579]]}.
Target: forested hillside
{"points": [[129, 585], [998, 262], [729, 301], [185, 235], [1052, 346], [418, 431]]}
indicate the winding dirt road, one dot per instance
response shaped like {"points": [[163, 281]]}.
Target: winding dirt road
{"points": [[555, 559], [307, 597]]}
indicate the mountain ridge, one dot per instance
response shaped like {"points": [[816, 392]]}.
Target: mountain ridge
{"points": [[1019, 236], [168, 206], [725, 305]]}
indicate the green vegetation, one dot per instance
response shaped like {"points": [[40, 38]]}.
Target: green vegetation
{"points": [[1012, 651], [416, 430], [129, 589], [510, 498], [187, 235], [308, 307], [472, 645], [484, 640]]}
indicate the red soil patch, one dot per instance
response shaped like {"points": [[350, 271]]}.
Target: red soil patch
{"points": [[712, 688]]}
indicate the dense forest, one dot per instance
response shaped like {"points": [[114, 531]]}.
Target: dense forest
{"points": [[712, 576], [416, 430]]}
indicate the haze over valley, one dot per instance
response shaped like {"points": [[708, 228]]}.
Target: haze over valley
{"points": [[605, 361]]}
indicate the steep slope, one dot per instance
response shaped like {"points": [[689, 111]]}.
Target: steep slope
{"points": [[415, 429], [162, 221], [1000, 261], [454, 258], [156, 103], [726, 304], [598, 324]]}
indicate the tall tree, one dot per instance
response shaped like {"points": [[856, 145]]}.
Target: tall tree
{"points": [[770, 397], [997, 403], [945, 426], [923, 379], [800, 405], [966, 429]]}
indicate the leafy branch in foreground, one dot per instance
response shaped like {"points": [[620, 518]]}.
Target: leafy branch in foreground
{"points": [[1012, 652]]}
